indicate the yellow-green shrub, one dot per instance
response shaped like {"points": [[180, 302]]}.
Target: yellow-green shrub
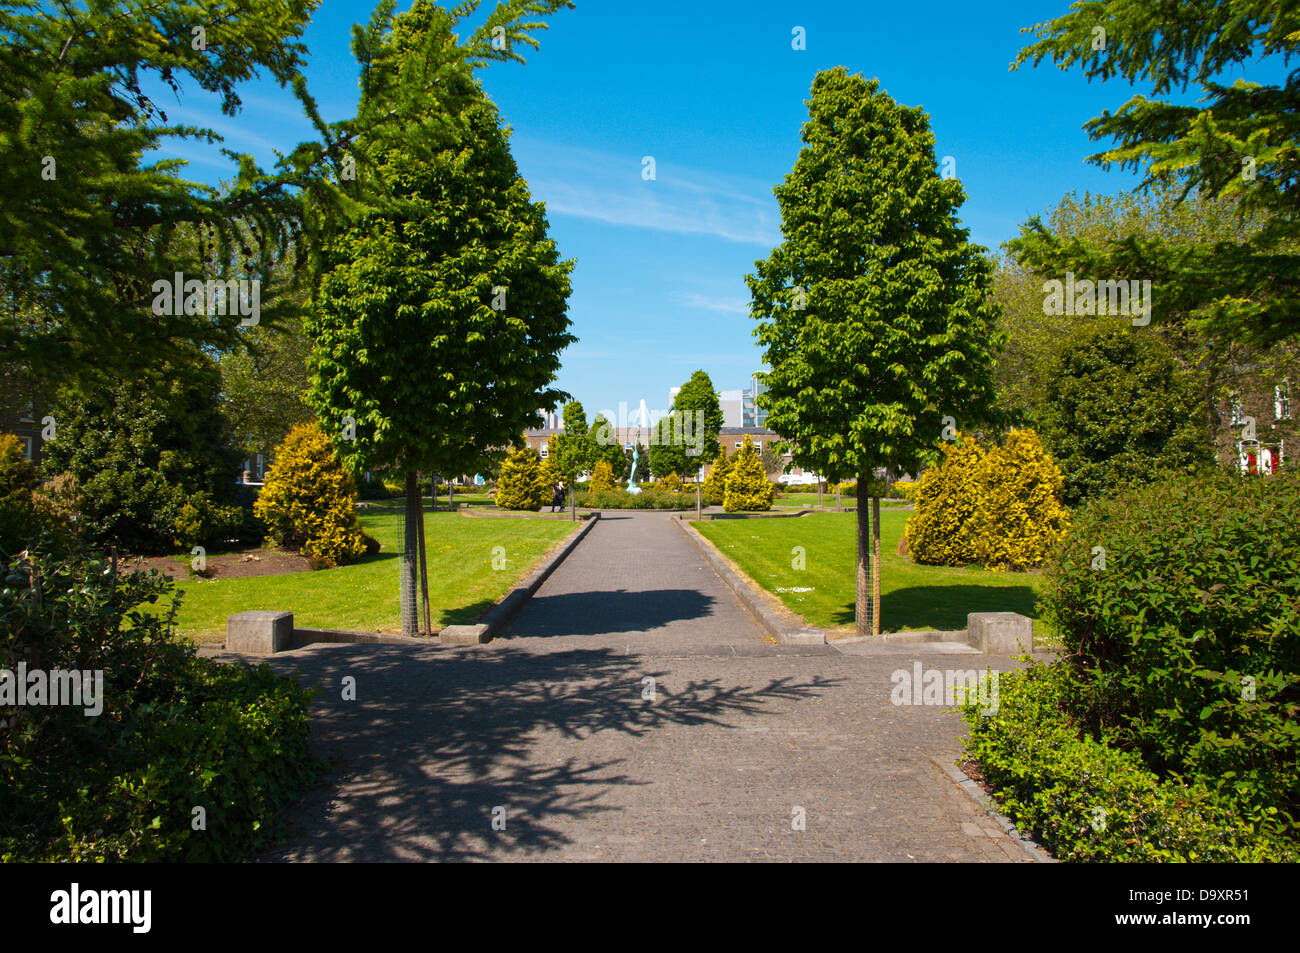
{"points": [[904, 489], [714, 490], [747, 486], [602, 477], [523, 483], [1022, 514], [1000, 508], [672, 483], [309, 500]]}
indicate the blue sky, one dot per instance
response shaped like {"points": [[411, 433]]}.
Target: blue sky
{"points": [[715, 93]]}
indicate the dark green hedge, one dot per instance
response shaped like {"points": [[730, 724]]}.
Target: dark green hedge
{"points": [[1085, 800], [177, 732]]}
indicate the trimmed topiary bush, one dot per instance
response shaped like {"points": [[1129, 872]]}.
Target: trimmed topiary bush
{"points": [[942, 530], [523, 483], [602, 478], [714, 490], [309, 500], [748, 489], [1000, 509]]}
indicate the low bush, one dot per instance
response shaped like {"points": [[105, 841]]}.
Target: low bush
{"points": [[998, 508], [310, 500], [173, 733], [201, 522], [648, 499], [903, 490], [1177, 605], [525, 483], [1087, 800], [672, 483]]}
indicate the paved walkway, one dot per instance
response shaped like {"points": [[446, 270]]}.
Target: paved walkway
{"points": [[555, 730]]}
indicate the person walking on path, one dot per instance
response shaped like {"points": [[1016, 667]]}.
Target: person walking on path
{"points": [[557, 496]]}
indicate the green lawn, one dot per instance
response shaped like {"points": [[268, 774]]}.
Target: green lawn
{"points": [[801, 500], [912, 596], [364, 596]]}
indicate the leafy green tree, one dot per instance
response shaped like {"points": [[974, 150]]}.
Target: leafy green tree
{"points": [[574, 450], [1121, 410], [747, 487], [667, 449], [1238, 140], [264, 387], [439, 323], [90, 219], [873, 311], [607, 446], [687, 438], [141, 447]]}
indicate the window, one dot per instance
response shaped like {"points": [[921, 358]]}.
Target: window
{"points": [[1235, 402], [739, 444], [758, 445], [27, 447], [544, 451], [28, 414], [627, 444], [1282, 401]]}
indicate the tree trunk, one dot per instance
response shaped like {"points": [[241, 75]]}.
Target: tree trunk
{"points": [[424, 573], [875, 575], [573, 502], [862, 610], [410, 542], [819, 494], [451, 500], [839, 504]]}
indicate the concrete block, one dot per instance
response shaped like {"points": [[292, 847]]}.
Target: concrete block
{"points": [[261, 632], [1000, 633], [465, 634]]}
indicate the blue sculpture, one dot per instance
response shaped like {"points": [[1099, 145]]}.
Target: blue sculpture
{"points": [[631, 477]]}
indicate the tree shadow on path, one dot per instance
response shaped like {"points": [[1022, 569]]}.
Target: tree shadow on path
{"points": [[610, 611], [438, 738]]}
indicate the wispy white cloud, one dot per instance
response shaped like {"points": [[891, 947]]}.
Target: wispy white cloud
{"points": [[609, 188], [709, 303]]}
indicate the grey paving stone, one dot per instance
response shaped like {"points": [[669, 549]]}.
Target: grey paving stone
{"points": [[551, 726]]}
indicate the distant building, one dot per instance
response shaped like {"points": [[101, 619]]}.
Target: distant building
{"points": [[754, 415], [733, 407], [22, 408]]}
